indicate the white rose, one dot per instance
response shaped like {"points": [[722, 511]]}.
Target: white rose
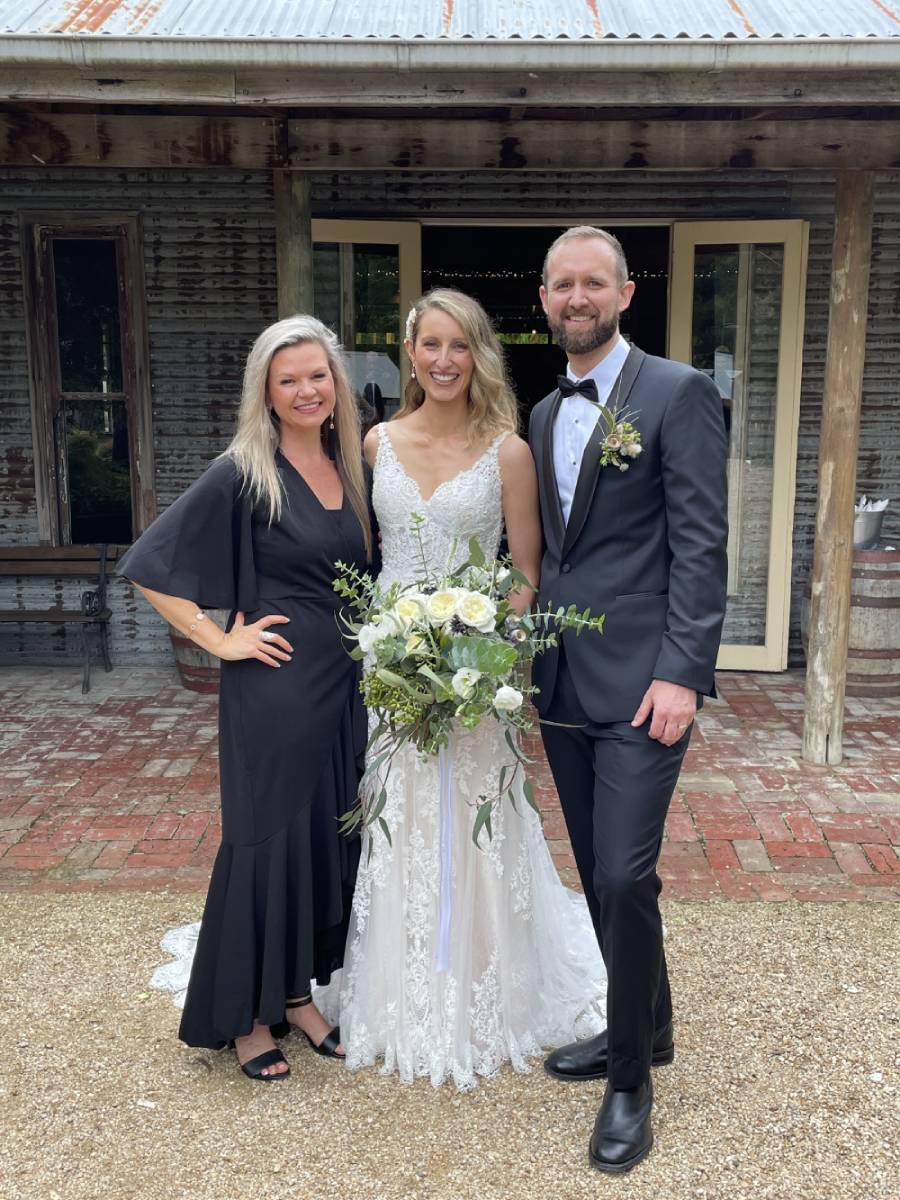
{"points": [[441, 606], [408, 609], [477, 610], [366, 638], [507, 699], [463, 682], [369, 636]]}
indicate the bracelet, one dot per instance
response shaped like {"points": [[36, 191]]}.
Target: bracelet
{"points": [[200, 616]]}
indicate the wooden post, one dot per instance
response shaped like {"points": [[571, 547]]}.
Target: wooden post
{"points": [[829, 620], [293, 243]]}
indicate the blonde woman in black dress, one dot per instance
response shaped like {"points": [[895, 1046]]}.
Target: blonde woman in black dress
{"points": [[258, 534]]}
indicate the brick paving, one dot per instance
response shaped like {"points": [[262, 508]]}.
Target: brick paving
{"points": [[118, 789]]}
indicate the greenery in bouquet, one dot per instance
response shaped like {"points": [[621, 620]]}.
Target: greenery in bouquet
{"points": [[445, 651]]}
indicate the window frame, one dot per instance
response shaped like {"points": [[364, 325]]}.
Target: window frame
{"points": [[38, 231]]}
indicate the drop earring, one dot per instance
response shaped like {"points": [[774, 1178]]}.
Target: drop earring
{"points": [[331, 422]]}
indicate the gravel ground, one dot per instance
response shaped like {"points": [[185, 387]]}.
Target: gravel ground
{"points": [[784, 1086]]}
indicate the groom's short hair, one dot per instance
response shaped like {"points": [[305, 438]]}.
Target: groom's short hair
{"points": [[591, 231]]}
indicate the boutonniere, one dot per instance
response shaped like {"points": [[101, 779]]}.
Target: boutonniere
{"points": [[621, 439]]}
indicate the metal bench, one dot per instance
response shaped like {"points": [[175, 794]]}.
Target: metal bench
{"points": [[59, 562]]}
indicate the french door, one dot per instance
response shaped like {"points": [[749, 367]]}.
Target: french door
{"points": [[368, 273], [736, 313]]}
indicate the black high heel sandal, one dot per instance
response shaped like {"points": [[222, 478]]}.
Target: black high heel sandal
{"points": [[254, 1067], [329, 1043]]}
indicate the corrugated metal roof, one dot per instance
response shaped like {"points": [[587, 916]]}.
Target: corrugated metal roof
{"points": [[452, 19]]}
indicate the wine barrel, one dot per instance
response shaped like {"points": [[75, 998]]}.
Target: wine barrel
{"points": [[199, 670], [873, 656]]}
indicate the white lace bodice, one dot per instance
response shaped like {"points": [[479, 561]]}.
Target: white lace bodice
{"points": [[466, 506]]}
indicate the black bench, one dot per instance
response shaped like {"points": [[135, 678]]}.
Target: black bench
{"points": [[87, 562]]}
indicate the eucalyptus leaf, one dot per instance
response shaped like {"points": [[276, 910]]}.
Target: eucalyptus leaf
{"points": [[476, 554], [484, 655], [528, 791], [483, 821]]}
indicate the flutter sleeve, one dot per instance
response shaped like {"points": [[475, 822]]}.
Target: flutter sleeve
{"points": [[201, 547]]}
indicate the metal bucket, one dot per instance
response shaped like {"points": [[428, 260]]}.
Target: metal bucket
{"points": [[867, 530]]}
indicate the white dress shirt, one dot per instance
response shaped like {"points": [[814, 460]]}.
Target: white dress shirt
{"points": [[575, 423]]}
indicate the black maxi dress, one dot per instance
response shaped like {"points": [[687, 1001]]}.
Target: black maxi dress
{"points": [[291, 744]]}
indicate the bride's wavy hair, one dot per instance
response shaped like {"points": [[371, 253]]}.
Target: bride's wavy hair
{"points": [[254, 444], [492, 403]]}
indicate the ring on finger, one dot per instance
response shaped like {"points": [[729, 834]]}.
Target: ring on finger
{"points": [[265, 636]]}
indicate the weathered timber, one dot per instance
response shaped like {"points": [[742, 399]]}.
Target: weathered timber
{"points": [[378, 144], [415, 88], [294, 244], [97, 140], [829, 618]]}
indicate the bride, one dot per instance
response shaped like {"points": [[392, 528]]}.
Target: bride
{"points": [[506, 964]]}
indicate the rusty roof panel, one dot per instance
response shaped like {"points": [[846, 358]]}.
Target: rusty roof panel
{"points": [[452, 19]]}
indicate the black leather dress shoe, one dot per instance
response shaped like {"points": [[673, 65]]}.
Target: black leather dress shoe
{"points": [[589, 1059], [622, 1133]]}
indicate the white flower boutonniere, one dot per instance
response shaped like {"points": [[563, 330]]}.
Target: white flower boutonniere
{"points": [[621, 439]]}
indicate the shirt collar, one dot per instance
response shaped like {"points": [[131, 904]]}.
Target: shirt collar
{"points": [[607, 370]]}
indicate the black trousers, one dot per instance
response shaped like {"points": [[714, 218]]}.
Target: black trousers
{"points": [[615, 784]]}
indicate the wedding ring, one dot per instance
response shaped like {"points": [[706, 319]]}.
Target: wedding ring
{"points": [[265, 636]]}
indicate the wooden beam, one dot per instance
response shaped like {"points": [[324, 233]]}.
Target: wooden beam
{"points": [[376, 144], [829, 619], [293, 243], [414, 88], [460, 145], [77, 140]]}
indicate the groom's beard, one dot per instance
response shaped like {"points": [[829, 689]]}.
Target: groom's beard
{"points": [[583, 341]]}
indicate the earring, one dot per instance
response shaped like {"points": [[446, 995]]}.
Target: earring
{"points": [[331, 422], [412, 368]]}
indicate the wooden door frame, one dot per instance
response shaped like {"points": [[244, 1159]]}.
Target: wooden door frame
{"points": [[37, 232], [793, 234]]}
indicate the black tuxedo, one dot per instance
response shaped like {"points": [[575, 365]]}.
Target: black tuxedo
{"points": [[647, 548]]}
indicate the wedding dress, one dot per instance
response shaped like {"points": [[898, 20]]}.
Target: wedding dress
{"points": [[459, 958]]}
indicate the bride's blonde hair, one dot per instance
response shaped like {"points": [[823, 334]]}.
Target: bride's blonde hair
{"points": [[254, 444], [492, 404]]}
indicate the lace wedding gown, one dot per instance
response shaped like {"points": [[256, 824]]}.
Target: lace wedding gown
{"points": [[523, 971]]}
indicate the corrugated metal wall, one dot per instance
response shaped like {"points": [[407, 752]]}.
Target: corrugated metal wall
{"points": [[209, 259], [210, 263]]}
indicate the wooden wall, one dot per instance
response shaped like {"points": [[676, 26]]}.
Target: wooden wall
{"points": [[209, 256], [210, 265]]}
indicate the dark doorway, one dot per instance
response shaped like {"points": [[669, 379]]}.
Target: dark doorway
{"points": [[501, 267]]}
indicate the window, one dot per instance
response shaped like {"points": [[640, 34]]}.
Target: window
{"points": [[90, 398]]}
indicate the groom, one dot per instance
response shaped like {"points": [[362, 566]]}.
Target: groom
{"points": [[642, 539]]}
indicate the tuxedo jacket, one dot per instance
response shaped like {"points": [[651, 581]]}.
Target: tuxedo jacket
{"points": [[645, 546]]}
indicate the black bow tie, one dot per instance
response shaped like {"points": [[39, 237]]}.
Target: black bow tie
{"points": [[586, 388]]}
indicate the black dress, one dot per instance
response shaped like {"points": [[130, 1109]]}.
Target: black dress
{"points": [[291, 744]]}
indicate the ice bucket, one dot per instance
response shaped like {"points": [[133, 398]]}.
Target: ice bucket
{"points": [[867, 530]]}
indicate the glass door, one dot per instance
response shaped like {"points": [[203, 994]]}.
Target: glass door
{"points": [[736, 313], [368, 273]]}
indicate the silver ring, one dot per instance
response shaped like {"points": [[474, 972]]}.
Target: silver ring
{"points": [[265, 636]]}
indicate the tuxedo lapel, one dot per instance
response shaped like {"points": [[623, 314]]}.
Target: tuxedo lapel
{"points": [[551, 490], [590, 470]]}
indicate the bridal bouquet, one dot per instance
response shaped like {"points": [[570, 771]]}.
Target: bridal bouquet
{"points": [[446, 649]]}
